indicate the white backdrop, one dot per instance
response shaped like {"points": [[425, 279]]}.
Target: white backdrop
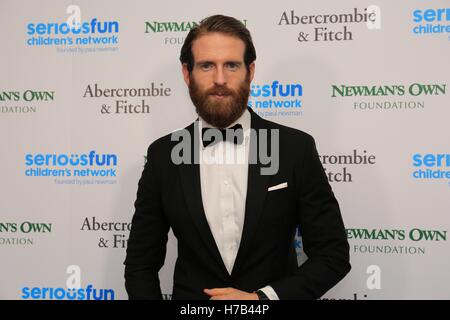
{"points": [[72, 149]]}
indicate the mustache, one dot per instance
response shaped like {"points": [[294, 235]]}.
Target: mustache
{"points": [[220, 90]]}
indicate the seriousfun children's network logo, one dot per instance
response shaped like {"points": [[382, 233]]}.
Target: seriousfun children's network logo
{"points": [[430, 166], [74, 35], [430, 22], [276, 99], [73, 290], [92, 165]]}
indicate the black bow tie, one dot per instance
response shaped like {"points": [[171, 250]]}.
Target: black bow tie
{"points": [[211, 136]]}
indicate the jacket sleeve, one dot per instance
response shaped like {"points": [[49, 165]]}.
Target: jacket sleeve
{"points": [[147, 243], [323, 233]]}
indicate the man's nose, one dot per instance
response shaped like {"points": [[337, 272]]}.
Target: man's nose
{"points": [[220, 76]]}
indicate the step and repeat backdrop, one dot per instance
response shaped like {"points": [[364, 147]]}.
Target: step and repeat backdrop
{"points": [[80, 105]]}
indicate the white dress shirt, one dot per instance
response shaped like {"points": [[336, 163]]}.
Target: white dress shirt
{"points": [[223, 178]]}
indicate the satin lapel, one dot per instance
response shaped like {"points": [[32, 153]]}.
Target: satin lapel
{"points": [[257, 185], [190, 180]]}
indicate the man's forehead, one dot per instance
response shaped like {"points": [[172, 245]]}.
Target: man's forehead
{"points": [[214, 45]]}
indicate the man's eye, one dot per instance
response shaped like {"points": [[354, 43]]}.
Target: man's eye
{"points": [[206, 66], [232, 66]]}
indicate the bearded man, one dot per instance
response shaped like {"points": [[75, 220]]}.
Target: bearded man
{"points": [[235, 223]]}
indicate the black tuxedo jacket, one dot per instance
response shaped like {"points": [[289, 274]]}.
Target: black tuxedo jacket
{"points": [[169, 196]]}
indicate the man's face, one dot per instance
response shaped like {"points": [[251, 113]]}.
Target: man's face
{"points": [[219, 83]]}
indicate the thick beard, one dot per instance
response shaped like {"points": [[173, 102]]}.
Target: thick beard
{"points": [[220, 113]]}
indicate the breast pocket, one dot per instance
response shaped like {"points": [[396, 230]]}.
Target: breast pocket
{"points": [[279, 206], [279, 186]]}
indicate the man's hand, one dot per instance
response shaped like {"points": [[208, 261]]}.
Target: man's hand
{"points": [[229, 294]]}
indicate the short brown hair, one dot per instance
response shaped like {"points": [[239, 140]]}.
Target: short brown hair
{"points": [[221, 24]]}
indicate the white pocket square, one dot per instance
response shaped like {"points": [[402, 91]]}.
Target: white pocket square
{"points": [[278, 186]]}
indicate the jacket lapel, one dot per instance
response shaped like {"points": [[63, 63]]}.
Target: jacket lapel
{"points": [[190, 180], [257, 185]]}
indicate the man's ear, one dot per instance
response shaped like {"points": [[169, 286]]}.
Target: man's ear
{"points": [[251, 70], [184, 69]]}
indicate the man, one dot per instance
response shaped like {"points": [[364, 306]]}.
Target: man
{"points": [[235, 224]]}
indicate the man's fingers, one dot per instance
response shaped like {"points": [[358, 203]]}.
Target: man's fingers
{"points": [[224, 297], [217, 291]]}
